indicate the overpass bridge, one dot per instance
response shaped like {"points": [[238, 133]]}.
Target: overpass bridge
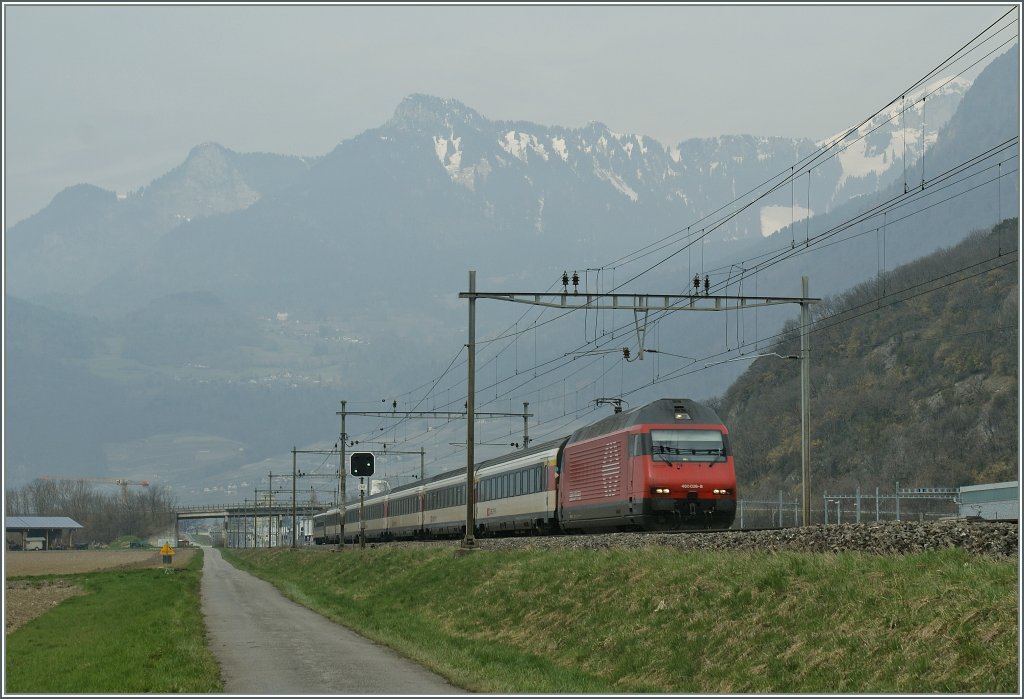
{"points": [[254, 524]]}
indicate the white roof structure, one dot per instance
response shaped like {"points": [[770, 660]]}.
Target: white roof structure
{"points": [[19, 523]]}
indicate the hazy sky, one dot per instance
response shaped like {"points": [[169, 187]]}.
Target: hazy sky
{"points": [[117, 95]]}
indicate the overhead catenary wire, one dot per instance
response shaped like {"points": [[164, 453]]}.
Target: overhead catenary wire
{"points": [[868, 307], [813, 160], [612, 336], [552, 369], [606, 337]]}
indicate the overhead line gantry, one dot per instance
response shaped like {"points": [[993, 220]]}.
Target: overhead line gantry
{"points": [[641, 305]]}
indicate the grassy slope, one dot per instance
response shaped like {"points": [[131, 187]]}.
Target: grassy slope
{"points": [[658, 620]]}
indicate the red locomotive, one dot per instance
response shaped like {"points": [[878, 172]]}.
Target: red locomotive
{"points": [[665, 465]]}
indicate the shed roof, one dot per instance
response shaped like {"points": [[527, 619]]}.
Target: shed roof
{"points": [[17, 523], [988, 486]]}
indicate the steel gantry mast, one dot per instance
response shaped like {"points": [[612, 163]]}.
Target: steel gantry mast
{"points": [[420, 414], [641, 305], [296, 474]]}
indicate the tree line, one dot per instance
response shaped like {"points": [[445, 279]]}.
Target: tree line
{"points": [[104, 516]]}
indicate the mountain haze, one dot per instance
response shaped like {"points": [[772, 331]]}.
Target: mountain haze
{"points": [[195, 329]]}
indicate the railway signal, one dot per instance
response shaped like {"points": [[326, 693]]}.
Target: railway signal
{"points": [[361, 463]]}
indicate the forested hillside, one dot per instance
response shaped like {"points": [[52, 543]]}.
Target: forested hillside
{"points": [[914, 378]]}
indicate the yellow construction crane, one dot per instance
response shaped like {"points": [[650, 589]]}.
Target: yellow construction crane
{"points": [[123, 482]]}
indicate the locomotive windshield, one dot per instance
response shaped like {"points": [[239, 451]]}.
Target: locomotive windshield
{"points": [[687, 445]]}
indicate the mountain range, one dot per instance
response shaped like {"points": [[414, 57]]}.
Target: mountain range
{"points": [[193, 328]]}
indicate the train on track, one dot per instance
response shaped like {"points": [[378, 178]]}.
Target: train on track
{"points": [[663, 466]]}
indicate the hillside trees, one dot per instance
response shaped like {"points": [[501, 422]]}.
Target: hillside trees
{"points": [[914, 378]]}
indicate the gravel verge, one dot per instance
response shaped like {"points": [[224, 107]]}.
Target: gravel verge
{"points": [[992, 539]]}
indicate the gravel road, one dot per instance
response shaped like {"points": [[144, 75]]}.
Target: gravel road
{"points": [[267, 644]]}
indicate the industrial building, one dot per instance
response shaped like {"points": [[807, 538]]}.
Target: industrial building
{"points": [[39, 533], [990, 501]]}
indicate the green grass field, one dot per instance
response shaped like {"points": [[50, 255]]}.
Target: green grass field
{"points": [[136, 631], [659, 620], [651, 620]]}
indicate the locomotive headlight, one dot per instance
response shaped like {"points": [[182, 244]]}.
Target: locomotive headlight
{"points": [[660, 491], [721, 491]]}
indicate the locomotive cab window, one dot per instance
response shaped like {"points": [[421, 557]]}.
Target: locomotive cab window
{"points": [[687, 445]]}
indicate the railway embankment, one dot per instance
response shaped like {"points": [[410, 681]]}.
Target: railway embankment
{"points": [[883, 608]]}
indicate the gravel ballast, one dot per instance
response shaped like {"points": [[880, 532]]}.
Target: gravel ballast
{"points": [[993, 539]]}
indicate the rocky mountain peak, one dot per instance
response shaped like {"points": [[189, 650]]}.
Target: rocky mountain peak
{"points": [[419, 112]]}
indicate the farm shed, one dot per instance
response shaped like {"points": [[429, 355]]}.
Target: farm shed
{"points": [[990, 500], [39, 533]]}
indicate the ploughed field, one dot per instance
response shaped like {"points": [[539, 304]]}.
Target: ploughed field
{"points": [[18, 563]]}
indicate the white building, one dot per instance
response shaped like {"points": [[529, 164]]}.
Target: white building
{"points": [[990, 500]]}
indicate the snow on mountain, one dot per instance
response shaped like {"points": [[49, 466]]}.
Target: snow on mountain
{"points": [[694, 176], [898, 134]]}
